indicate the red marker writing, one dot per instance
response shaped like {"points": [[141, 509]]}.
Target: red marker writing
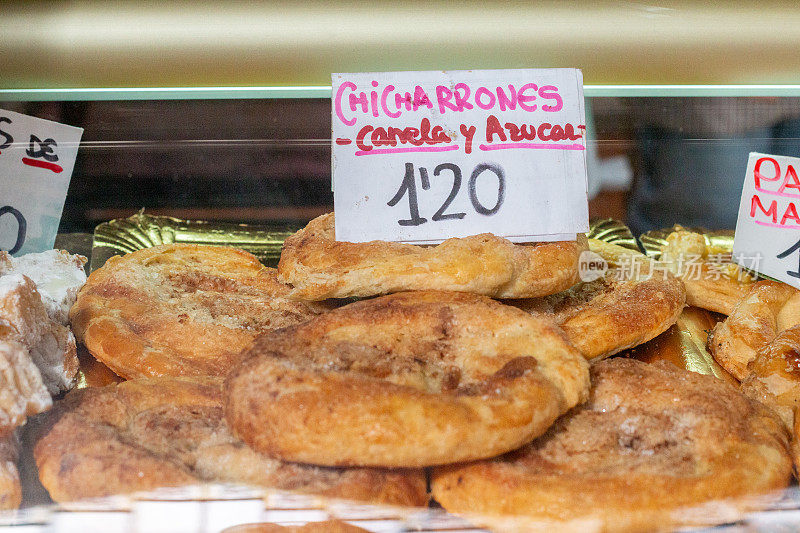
{"points": [[42, 164]]}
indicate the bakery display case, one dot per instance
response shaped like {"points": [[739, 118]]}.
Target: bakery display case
{"points": [[203, 355]]}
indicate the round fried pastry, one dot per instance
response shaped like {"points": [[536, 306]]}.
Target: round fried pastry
{"points": [[180, 309], [652, 443], [626, 307], [160, 432], [768, 308], [319, 267], [408, 379]]}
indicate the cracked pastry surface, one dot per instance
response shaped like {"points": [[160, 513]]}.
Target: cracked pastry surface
{"points": [[160, 432], [319, 267], [652, 443], [10, 487], [409, 379], [181, 309]]}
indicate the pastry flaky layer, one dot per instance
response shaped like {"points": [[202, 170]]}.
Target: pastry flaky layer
{"points": [[405, 380], [58, 276], [181, 309], [37, 351], [318, 266], [712, 280], [37, 355], [159, 432], [768, 308], [627, 306], [655, 447], [773, 378]]}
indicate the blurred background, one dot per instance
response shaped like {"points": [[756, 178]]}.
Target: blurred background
{"points": [[679, 93]]}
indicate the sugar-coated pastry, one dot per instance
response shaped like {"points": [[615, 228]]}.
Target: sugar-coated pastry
{"points": [[405, 380], [181, 309], [24, 320], [10, 487], [58, 276], [627, 306], [713, 283], [329, 526], [160, 432], [654, 447]]}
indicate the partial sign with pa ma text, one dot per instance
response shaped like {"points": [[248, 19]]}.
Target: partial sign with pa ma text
{"points": [[767, 236]]}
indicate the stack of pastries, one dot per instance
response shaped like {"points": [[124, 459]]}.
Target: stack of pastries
{"points": [[37, 349], [479, 374]]}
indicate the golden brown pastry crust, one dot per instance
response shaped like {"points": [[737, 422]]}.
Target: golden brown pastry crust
{"points": [[93, 373], [773, 378], [180, 309], [615, 312], [716, 287], [409, 379], [319, 267], [775, 371], [652, 442], [768, 308], [159, 432]]}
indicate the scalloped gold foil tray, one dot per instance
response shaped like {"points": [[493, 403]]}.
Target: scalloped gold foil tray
{"points": [[684, 345], [139, 231], [613, 232], [721, 241], [653, 241]]}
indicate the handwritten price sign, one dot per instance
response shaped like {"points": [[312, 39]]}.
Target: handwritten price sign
{"points": [[423, 156], [768, 229], [36, 161]]}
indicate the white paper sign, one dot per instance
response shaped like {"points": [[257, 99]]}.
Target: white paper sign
{"points": [[36, 161], [767, 236], [424, 156]]}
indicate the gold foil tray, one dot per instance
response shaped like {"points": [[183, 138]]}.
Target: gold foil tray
{"points": [[720, 241], [653, 241], [612, 231], [140, 231], [684, 345]]}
